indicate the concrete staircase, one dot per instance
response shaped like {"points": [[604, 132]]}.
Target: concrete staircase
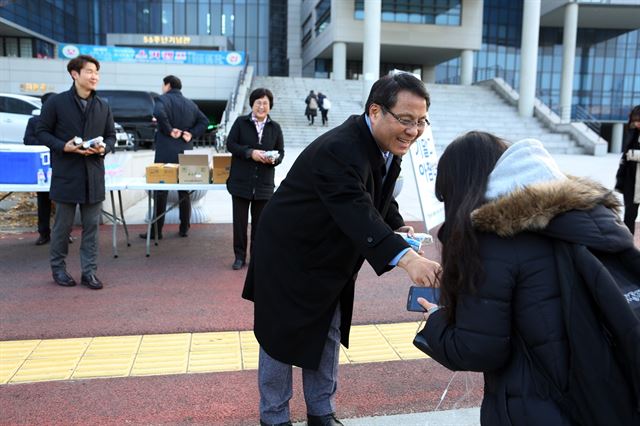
{"points": [[454, 111]]}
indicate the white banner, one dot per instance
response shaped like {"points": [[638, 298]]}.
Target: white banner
{"points": [[425, 161]]}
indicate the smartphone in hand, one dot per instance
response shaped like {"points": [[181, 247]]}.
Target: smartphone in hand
{"points": [[432, 294]]}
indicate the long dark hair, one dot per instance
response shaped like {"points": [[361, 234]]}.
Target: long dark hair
{"points": [[461, 182], [631, 137]]}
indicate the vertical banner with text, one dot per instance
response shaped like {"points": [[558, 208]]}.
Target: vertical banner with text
{"points": [[425, 161]]}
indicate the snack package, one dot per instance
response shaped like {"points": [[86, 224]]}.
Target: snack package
{"points": [[417, 240]]}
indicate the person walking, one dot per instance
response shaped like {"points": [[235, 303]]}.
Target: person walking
{"points": [[77, 172], [257, 147], [334, 209], [312, 107], [324, 104], [179, 121], [627, 176], [510, 217]]}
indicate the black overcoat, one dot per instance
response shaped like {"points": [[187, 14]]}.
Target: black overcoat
{"points": [[626, 175], [76, 178], [247, 178], [174, 111], [330, 213]]}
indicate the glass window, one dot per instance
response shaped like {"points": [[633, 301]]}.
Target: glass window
{"points": [[440, 12]]}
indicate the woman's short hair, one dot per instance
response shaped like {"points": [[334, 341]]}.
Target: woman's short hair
{"points": [[385, 91], [261, 92]]}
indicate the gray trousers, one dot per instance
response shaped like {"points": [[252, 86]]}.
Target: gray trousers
{"points": [[65, 213], [276, 385]]}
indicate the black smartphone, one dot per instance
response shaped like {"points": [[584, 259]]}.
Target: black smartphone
{"points": [[432, 294]]}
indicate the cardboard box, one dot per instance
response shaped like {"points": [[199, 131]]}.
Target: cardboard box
{"points": [[194, 168], [24, 164], [221, 167], [162, 173]]}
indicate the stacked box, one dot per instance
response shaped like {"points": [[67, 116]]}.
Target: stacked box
{"points": [[221, 167], [194, 168], [20, 164], [162, 173]]}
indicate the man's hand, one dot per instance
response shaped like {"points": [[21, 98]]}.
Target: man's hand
{"points": [[408, 229], [176, 133], [421, 270], [186, 136], [72, 147]]}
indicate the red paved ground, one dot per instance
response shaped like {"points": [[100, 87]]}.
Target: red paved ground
{"points": [[187, 285]]}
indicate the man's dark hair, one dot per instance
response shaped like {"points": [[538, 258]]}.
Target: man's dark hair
{"points": [[385, 91], [172, 81], [261, 93], [77, 63]]}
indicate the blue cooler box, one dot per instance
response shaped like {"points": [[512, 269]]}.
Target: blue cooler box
{"points": [[24, 164]]}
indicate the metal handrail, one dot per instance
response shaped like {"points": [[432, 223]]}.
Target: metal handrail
{"points": [[233, 96], [581, 113]]}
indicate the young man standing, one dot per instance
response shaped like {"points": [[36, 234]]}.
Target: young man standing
{"points": [[179, 121], [78, 173]]}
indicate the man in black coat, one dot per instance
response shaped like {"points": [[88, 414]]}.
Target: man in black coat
{"points": [[179, 121], [334, 210], [78, 172]]}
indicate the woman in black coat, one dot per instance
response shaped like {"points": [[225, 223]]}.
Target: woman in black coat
{"points": [[505, 211], [626, 175], [257, 146]]}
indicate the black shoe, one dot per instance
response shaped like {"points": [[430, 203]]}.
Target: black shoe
{"points": [[144, 236], [43, 239], [239, 263], [326, 420], [275, 424], [183, 234], [63, 278], [91, 281]]}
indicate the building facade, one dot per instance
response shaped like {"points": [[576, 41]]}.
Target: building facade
{"points": [[445, 41]]}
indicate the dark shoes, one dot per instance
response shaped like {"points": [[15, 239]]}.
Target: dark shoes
{"points": [[43, 239], [326, 420], [183, 234], [91, 281], [275, 424], [63, 278], [144, 236], [238, 264]]}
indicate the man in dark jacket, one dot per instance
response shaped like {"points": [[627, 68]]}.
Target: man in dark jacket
{"points": [[179, 121], [78, 172], [334, 210]]}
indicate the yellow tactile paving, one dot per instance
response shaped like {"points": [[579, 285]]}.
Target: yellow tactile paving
{"points": [[24, 361]]}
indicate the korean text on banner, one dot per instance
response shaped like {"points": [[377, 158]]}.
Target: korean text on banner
{"points": [[425, 161]]}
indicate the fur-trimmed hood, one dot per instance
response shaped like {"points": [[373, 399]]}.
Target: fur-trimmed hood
{"points": [[577, 210]]}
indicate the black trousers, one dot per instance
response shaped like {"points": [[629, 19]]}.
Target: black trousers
{"points": [[240, 222], [325, 118], [160, 200], [44, 213], [630, 213]]}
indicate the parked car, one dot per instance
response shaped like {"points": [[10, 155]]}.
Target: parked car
{"points": [[15, 112], [133, 109], [124, 140]]}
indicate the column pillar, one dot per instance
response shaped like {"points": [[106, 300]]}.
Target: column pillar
{"points": [[568, 60], [529, 56], [428, 74], [371, 46], [466, 67], [617, 133], [339, 60]]}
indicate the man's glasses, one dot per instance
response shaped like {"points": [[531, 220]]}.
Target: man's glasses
{"points": [[409, 124]]}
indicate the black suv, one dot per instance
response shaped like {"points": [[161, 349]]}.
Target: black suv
{"points": [[134, 111]]}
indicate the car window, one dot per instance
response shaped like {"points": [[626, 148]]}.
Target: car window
{"points": [[17, 106], [3, 104]]}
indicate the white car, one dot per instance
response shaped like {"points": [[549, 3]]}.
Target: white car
{"points": [[15, 112]]}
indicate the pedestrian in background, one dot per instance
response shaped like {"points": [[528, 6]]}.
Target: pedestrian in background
{"points": [[44, 202], [179, 122], [510, 217], [252, 140], [627, 177], [334, 209], [311, 110], [77, 172], [324, 105]]}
